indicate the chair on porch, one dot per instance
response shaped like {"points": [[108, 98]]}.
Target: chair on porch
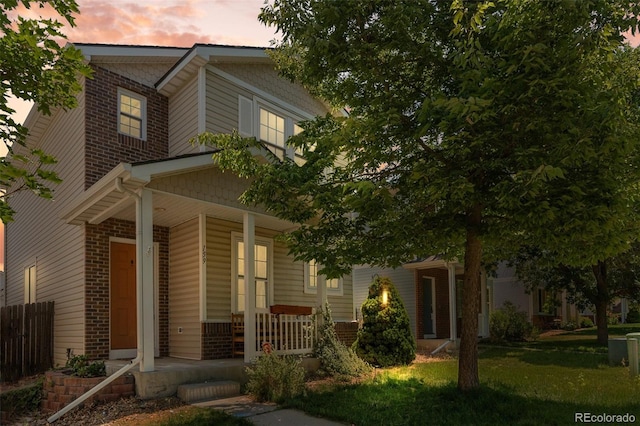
{"points": [[237, 334]]}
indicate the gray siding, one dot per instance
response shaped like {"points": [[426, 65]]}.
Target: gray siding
{"points": [[402, 278], [183, 119], [56, 248], [184, 291]]}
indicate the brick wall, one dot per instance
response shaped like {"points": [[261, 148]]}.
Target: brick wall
{"points": [[60, 389], [105, 147], [347, 332], [97, 284], [216, 340]]}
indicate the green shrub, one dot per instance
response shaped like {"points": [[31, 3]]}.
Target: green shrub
{"points": [[633, 316], [275, 377], [336, 359], [569, 326], [385, 338], [613, 319], [82, 367], [586, 322], [23, 400], [510, 325]]}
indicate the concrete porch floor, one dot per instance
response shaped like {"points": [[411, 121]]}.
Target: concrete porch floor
{"points": [[172, 372]]}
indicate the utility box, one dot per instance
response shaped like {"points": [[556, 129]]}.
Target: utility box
{"points": [[633, 343], [618, 351]]}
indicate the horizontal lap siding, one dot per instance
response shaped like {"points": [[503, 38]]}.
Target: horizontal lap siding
{"points": [[184, 291], [266, 78], [222, 104], [183, 119], [288, 275], [57, 248]]}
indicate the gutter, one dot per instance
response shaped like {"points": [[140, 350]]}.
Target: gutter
{"points": [[139, 356], [442, 346]]}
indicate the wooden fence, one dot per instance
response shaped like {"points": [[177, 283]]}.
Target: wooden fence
{"points": [[26, 340]]}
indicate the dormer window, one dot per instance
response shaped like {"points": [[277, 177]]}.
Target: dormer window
{"points": [[132, 112], [271, 124]]}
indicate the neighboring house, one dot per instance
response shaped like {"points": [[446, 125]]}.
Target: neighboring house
{"points": [[431, 290], [145, 232]]}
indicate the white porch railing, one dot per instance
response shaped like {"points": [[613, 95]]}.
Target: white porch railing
{"points": [[287, 334]]}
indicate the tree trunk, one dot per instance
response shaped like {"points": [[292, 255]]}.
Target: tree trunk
{"points": [[601, 302], [468, 358]]}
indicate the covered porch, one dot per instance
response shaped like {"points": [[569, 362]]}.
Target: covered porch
{"points": [[438, 296], [221, 260]]}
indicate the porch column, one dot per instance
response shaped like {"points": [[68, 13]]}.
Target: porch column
{"points": [[453, 316], [144, 259], [249, 239]]}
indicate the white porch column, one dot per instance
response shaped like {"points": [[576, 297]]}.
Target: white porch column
{"points": [[321, 291], [249, 239], [453, 315], [144, 259]]}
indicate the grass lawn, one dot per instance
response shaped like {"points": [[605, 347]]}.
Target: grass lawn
{"points": [[583, 340], [519, 387]]}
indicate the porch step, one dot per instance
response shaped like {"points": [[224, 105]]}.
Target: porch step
{"points": [[208, 390]]}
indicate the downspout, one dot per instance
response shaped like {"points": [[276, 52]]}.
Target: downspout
{"points": [[133, 362]]}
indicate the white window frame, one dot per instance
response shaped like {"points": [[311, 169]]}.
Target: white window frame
{"points": [[237, 237], [249, 123], [310, 288], [30, 282], [143, 112]]}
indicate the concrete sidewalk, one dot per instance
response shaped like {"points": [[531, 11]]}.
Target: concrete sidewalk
{"points": [[264, 414]]}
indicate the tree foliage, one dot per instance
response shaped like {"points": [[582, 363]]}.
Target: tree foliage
{"points": [[385, 338], [473, 128], [34, 67]]}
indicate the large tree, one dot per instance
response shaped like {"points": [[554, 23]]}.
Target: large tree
{"points": [[472, 127], [34, 66]]}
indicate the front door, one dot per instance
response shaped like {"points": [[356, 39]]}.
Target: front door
{"points": [[428, 307], [123, 297]]}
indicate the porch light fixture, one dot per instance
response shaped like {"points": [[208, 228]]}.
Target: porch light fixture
{"points": [[385, 297]]}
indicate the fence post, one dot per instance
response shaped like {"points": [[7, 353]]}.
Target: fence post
{"points": [[632, 348]]}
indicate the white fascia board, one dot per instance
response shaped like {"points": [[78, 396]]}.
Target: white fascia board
{"points": [[261, 93], [186, 60], [144, 172], [98, 190], [90, 50], [224, 52]]}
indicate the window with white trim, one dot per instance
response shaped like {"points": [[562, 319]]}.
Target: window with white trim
{"points": [[263, 253], [333, 285], [269, 123], [132, 114], [30, 284]]}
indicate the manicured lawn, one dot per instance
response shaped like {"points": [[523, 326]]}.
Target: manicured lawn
{"points": [[519, 386], [583, 340]]}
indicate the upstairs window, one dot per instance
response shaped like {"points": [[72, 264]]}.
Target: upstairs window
{"points": [[269, 123], [333, 285], [132, 111]]}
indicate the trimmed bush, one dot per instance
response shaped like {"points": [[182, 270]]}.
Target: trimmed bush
{"points": [[633, 316], [336, 359], [510, 325], [275, 377], [586, 322], [385, 338]]}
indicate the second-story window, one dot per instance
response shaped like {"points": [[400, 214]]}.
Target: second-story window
{"points": [[272, 128], [132, 111]]}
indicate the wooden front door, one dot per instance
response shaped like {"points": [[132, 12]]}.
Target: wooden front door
{"points": [[123, 296]]}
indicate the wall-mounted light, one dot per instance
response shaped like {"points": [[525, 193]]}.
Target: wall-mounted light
{"points": [[385, 297]]}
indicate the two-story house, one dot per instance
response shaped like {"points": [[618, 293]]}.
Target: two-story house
{"points": [[146, 249]]}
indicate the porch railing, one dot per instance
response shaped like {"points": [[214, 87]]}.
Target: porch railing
{"points": [[287, 334]]}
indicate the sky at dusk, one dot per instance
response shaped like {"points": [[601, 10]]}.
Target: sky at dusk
{"points": [[163, 23]]}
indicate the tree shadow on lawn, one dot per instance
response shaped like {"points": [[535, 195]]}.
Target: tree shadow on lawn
{"points": [[413, 402], [549, 357]]}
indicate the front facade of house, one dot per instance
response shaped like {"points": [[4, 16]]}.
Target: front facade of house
{"points": [[146, 244]]}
